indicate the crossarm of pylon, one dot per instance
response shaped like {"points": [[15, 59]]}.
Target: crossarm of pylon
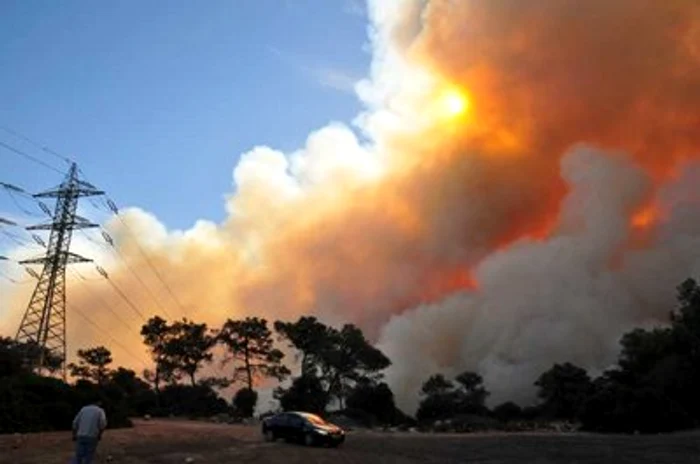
{"points": [[71, 258], [83, 190], [77, 223]]}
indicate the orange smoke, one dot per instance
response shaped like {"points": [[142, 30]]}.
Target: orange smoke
{"points": [[525, 139], [646, 217]]}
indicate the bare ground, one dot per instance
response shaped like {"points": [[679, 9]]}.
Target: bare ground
{"points": [[165, 442]]}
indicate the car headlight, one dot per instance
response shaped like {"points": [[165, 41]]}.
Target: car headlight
{"points": [[322, 432]]}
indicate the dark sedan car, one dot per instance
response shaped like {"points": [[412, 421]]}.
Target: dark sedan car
{"points": [[302, 427]]}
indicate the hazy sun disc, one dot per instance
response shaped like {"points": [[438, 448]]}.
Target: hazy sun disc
{"points": [[453, 103]]}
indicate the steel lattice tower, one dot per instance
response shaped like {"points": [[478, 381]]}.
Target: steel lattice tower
{"points": [[44, 322]]}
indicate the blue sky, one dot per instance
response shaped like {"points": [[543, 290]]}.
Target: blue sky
{"points": [[156, 100]]}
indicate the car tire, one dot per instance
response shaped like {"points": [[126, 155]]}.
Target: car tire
{"points": [[269, 436], [309, 439]]}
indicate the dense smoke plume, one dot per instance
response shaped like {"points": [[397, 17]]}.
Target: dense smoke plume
{"points": [[556, 210]]}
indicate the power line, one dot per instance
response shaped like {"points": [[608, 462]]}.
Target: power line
{"points": [[36, 144], [128, 265], [114, 209], [29, 157], [124, 297], [149, 262], [92, 323], [132, 271], [15, 238], [13, 190], [13, 280], [104, 302]]}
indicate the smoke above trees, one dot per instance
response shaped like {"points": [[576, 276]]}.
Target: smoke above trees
{"points": [[549, 215]]}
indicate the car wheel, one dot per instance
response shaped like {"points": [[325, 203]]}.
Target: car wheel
{"points": [[269, 435], [309, 439]]}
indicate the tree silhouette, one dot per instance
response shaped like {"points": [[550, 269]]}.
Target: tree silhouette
{"points": [[439, 399], [92, 365], [244, 401], [347, 359], [340, 359], [250, 343], [377, 400], [189, 347], [305, 394], [471, 393], [437, 385], [309, 337], [564, 389], [13, 357], [157, 335], [442, 398]]}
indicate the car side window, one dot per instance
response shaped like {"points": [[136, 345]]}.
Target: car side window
{"points": [[295, 421]]}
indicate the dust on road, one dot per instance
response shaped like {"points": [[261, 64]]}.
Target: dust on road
{"points": [[170, 442]]}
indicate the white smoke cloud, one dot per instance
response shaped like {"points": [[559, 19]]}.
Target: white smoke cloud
{"points": [[500, 242]]}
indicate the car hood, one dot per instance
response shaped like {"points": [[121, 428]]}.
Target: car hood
{"points": [[328, 428]]}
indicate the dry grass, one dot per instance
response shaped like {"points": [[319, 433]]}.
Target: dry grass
{"points": [[166, 442]]}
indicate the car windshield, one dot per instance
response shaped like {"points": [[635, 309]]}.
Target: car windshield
{"points": [[315, 420]]}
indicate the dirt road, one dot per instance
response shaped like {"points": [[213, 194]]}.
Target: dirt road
{"points": [[170, 442]]}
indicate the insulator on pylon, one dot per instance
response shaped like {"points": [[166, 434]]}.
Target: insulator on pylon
{"points": [[12, 187], [112, 206], [31, 272], [44, 208], [102, 271], [107, 238], [39, 240]]}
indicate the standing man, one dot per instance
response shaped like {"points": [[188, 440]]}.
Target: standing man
{"points": [[88, 426]]}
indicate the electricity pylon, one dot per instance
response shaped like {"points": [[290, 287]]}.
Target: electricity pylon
{"points": [[44, 323]]}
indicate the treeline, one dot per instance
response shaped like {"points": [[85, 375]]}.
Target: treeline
{"points": [[336, 366], [651, 389]]}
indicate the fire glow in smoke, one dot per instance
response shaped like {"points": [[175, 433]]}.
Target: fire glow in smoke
{"points": [[529, 193]]}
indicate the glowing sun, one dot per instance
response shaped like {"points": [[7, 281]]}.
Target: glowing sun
{"points": [[453, 103]]}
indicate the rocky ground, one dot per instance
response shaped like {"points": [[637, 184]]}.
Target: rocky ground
{"points": [[166, 442]]}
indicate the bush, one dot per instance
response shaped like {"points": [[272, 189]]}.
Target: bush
{"points": [[244, 402], [508, 412], [377, 401], [191, 401], [31, 403], [437, 407], [620, 409], [305, 394]]}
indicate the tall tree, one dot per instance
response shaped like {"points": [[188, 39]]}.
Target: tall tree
{"points": [[437, 385], [157, 335], [471, 393], [309, 337], [347, 359], [251, 344], [439, 399], [189, 347], [92, 365], [339, 358]]}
